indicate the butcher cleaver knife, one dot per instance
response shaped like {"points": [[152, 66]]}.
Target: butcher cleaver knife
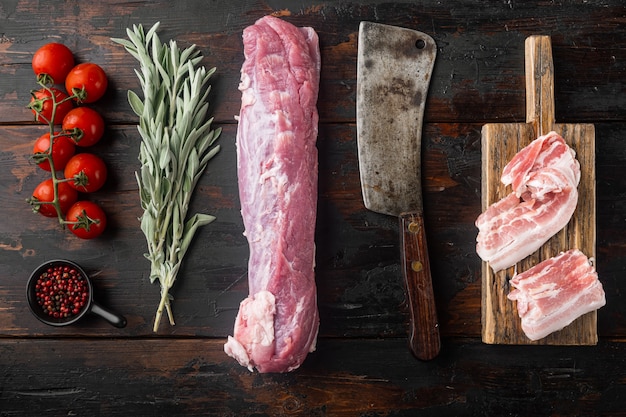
{"points": [[394, 68]]}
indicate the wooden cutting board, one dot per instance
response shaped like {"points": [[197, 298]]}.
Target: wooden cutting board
{"points": [[500, 142]]}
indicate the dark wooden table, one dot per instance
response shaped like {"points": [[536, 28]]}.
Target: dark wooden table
{"points": [[362, 366]]}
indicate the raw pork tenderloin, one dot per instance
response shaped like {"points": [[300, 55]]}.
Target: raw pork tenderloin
{"points": [[555, 292], [544, 176], [277, 324]]}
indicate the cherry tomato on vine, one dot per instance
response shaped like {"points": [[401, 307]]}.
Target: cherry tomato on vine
{"points": [[54, 60], [87, 172], [85, 125], [42, 105], [44, 192], [87, 81], [86, 219], [63, 149]]}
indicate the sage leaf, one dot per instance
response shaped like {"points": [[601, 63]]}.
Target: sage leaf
{"points": [[135, 102]]}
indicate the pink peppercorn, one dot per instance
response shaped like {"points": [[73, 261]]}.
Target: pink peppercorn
{"points": [[61, 291]]}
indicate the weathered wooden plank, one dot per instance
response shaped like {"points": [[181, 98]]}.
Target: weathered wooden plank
{"points": [[476, 76], [350, 377], [360, 290]]}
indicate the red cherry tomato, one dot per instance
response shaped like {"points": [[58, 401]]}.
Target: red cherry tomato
{"points": [[85, 125], [44, 193], [86, 171], [42, 105], [63, 149], [86, 219], [54, 60], [87, 81]]}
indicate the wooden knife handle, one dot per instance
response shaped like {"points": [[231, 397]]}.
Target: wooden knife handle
{"points": [[424, 339]]}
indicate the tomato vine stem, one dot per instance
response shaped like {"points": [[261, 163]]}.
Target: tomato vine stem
{"points": [[37, 106]]}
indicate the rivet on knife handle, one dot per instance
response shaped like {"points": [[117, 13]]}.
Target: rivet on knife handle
{"points": [[424, 337]]}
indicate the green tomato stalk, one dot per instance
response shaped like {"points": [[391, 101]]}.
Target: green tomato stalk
{"points": [[37, 105], [176, 146]]}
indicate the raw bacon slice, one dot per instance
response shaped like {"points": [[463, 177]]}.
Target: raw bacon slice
{"points": [[277, 324], [544, 176], [555, 292], [546, 151]]}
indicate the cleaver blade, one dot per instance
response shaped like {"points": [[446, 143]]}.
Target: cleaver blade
{"points": [[394, 67]]}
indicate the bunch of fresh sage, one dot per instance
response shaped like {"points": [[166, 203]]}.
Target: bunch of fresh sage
{"points": [[176, 146]]}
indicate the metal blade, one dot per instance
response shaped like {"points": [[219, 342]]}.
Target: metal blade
{"points": [[393, 74]]}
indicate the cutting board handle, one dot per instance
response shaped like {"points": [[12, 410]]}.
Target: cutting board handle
{"points": [[424, 338], [539, 83]]}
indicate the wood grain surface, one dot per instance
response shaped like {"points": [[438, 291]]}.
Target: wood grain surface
{"points": [[362, 365], [500, 143]]}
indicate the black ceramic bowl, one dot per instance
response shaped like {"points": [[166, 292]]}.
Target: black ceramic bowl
{"points": [[89, 306]]}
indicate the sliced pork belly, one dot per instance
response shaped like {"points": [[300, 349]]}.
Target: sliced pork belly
{"points": [[548, 151], [555, 292], [276, 326], [544, 176]]}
